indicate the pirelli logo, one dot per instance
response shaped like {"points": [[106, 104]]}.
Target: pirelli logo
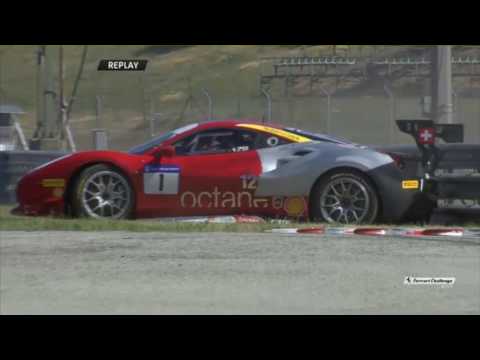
{"points": [[410, 184], [53, 183]]}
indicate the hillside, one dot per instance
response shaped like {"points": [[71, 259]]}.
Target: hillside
{"points": [[170, 89]]}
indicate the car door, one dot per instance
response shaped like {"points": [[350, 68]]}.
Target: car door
{"points": [[212, 173]]}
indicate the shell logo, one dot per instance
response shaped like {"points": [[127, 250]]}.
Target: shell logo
{"points": [[295, 206]]}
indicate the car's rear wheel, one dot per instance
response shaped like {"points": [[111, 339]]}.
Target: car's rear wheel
{"points": [[345, 197], [102, 192]]}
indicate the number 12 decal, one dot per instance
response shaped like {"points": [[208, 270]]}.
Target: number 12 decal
{"points": [[161, 180], [249, 182]]}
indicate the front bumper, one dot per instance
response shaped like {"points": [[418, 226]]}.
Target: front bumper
{"points": [[17, 211], [49, 207], [36, 199]]}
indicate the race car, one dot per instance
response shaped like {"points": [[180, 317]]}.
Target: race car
{"points": [[230, 168]]}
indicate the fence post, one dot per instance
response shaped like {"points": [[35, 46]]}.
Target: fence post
{"points": [[269, 105], [210, 103], [70, 139], [100, 139], [455, 95], [98, 111], [478, 122], [391, 96], [152, 116], [329, 109], [21, 136], [152, 125]]}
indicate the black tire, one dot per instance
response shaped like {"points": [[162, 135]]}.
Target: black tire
{"points": [[325, 208], [102, 192]]}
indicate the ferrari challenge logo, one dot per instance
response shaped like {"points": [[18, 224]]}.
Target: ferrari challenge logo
{"points": [[439, 281]]}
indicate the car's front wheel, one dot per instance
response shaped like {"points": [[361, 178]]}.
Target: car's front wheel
{"points": [[345, 197], [102, 192]]}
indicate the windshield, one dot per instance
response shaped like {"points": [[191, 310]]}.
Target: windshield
{"points": [[320, 137], [142, 149]]}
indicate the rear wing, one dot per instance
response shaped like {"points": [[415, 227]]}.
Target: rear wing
{"points": [[425, 133]]}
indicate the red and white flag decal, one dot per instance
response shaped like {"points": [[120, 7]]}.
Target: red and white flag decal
{"points": [[426, 136]]}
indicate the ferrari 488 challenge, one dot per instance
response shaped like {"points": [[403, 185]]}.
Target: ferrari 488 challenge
{"points": [[231, 168]]}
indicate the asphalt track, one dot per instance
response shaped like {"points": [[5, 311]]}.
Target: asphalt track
{"points": [[165, 273]]}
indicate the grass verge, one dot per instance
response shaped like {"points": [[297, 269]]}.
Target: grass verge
{"points": [[9, 222]]}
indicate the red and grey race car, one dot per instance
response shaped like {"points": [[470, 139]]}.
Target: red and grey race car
{"points": [[229, 168]]}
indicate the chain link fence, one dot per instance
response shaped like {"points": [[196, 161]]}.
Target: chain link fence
{"points": [[362, 119]]}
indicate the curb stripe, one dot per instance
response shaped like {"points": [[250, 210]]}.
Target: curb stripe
{"points": [[406, 232]]}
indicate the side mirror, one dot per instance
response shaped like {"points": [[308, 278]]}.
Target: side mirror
{"points": [[164, 151]]}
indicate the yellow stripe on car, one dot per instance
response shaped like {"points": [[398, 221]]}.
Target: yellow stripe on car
{"points": [[53, 183], [277, 132]]}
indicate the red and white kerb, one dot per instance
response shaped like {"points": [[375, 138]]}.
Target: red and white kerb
{"points": [[402, 232]]}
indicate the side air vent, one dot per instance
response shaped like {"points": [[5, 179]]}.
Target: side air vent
{"points": [[302, 152], [284, 161]]}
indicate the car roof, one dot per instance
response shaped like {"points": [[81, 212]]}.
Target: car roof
{"points": [[233, 123], [191, 129]]}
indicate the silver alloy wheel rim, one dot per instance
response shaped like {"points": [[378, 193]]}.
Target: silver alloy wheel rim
{"points": [[345, 200], [106, 194]]}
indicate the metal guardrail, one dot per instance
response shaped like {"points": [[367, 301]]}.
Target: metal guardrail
{"points": [[15, 164], [340, 60], [305, 61], [423, 61]]}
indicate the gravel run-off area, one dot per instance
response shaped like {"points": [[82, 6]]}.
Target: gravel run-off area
{"points": [[242, 273]]}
